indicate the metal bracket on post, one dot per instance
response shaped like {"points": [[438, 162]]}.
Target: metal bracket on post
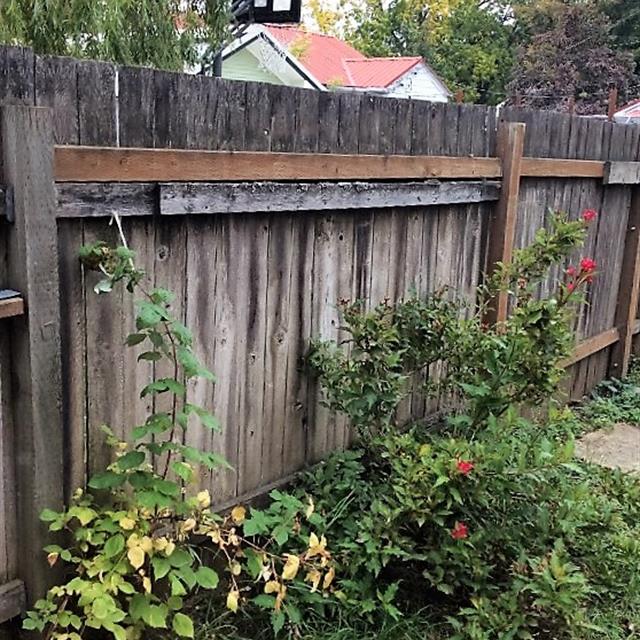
{"points": [[6, 204]]}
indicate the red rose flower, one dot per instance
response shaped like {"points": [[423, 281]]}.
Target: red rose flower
{"points": [[587, 265], [571, 271], [589, 214], [460, 531], [571, 286], [464, 466]]}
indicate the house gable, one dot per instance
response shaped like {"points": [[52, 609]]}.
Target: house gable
{"points": [[420, 83]]}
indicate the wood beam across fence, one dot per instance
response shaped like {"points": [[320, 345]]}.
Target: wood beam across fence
{"points": [[111, 164]]}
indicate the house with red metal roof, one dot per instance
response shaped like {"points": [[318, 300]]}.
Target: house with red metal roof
{"points": [[292, 56], [629, 114]]}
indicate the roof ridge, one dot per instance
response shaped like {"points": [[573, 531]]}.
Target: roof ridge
{"points": [[374, 58]]}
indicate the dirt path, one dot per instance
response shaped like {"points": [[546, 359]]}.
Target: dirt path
{"points": [[618, 447]]}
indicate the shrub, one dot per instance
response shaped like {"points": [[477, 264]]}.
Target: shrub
{"points": [[142, 538], [485, 519]]}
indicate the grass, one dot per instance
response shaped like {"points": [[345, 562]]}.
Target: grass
{"points": [[612, 401], [241, 627]]}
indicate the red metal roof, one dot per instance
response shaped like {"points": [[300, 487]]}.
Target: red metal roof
{"points": [[332, 60], [630, 110], [378, 72]]}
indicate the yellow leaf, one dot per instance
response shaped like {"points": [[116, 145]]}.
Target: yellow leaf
{"points": [[328, 578], [273, 586], [236, 568], [314, 577], [238, 514], [52, 558], [146, 584], [136, 557], [188, 525], [232, 600], [291, 567], [146, 544], [170, 548], [214, 534], [133, 541], [127, 523], [204, 499], [316, 547], [160, 544], [310, 508], [280, 597]]}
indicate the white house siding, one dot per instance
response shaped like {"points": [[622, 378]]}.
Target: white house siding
{"points": [[419, 83]]}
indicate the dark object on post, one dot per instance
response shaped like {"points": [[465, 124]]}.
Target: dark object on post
{"points": [[272, 11]]}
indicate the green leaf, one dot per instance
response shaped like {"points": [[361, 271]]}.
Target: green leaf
{"points": [[130, 460], [162, 296], [207, 578], [163, 385], [183, 625], [161, 566], [135, 338], [106, 480], [47, 515], [277, 621], [114, 546], [187, 575], [151, 356], [177, 588], [181, 558], [183, 471], [149, 315], [264, 601], [156, 616], [257, 524]]}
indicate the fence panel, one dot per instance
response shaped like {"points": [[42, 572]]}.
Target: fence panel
{"points": [[256, 286]]}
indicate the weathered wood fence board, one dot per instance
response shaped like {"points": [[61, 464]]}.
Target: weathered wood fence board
{"points": [[258, 268]]}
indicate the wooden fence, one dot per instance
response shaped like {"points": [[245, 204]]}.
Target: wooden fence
{"points": [[357, 197]]}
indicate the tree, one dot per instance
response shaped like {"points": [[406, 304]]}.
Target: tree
{"points": [[168, 34], [568, 56], [468, 42], [625, 19]]}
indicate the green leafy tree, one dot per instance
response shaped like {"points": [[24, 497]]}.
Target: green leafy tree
{"points": [[466, 41], [625, 19], [167, 34], [569, 53]]}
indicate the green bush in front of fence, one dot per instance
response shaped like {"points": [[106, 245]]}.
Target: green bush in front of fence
{"points": [[484, 520], [142, 537]]}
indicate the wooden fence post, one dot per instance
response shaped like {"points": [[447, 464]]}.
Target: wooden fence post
{"points": [[503, 220], [628, 292], [27, 166]]}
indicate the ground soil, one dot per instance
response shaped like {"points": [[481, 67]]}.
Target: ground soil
{"points": [[618, 447]]}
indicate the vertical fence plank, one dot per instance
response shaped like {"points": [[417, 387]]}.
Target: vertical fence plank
{"points": [[56, 86], [17, 76], [27, 153], [503, 222], [628, 292]]}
